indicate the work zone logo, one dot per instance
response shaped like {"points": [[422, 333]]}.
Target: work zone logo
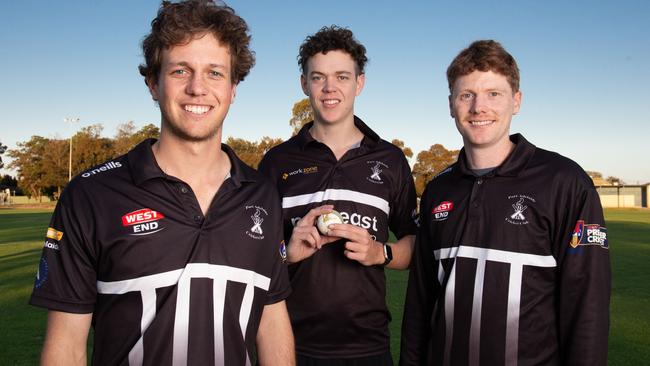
{"points": [[143, 222], [108, 166], [53, 237], [589, 234], [376, 168], [307, 170], [442, 210]]}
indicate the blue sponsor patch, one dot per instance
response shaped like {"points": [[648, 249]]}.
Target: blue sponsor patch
{"points": [[41, 274], [283, 251], [589, 234]]}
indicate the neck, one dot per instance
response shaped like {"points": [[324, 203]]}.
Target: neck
{"points": [[191, 161], [339, 137], [489, 156]]}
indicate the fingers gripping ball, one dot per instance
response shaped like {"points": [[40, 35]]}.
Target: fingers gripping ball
{"points": [[325, 220]]}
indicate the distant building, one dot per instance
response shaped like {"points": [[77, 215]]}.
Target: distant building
{"points": [[625, 195]]}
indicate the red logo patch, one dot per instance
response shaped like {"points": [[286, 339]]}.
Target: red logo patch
{"points": [[441, 212], [443, 207], [141, 216]]}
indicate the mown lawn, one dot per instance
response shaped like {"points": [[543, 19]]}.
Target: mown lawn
{"points": [[22, 326]]}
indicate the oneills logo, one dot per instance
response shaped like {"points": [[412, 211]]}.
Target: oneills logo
{"points": [[143, 221], [108, 166]]}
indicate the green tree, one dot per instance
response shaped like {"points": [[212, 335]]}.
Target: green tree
{"points": [[28, 162], [301, 113], [3, 148], [252, 152], [431, 162], [89, 148], [127, 136]]}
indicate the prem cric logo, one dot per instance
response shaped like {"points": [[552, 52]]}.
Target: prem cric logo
{"points": [[144, 221], [589, 234]]}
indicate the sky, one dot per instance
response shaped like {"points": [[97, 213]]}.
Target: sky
{"points": [[584, 66]]}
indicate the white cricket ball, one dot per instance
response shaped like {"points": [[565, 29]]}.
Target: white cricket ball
{"points": [[325, 220]]}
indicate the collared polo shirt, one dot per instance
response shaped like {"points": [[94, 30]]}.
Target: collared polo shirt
{"points": [[511, 267], [337, 306], [166, 285]]}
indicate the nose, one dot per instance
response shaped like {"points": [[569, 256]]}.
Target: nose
{"points": [[479, 104], [328, 85], [196, 85]]}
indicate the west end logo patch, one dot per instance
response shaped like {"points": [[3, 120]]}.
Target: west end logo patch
{"points": [[258, 214], [144, 221], [520, 209], [442, 210], [589, 234], [376, 170]]}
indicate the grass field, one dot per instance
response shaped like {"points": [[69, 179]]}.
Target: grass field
{"points": [[22, 326]]}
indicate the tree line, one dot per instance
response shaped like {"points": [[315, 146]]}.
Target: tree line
{"points": [[42, 163]]}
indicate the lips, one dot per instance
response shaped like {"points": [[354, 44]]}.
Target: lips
{"points": [[197, 109], [331, 102], [481, 122]]}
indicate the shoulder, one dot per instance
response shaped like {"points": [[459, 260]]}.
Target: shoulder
{"points": [[560, 168]]}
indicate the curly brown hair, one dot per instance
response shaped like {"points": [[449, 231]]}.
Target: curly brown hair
{"points": [[484, 55], [179, 23], [332, 38]]}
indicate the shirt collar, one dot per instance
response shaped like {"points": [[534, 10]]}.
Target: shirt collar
{"points": [[370, 138], [514, 163], [143, 165]]}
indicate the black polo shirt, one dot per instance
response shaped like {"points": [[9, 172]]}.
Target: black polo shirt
{"points": [[511, 267], [337, 306], [165, 284]]}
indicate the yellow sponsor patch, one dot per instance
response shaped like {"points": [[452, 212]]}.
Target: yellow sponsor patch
{"points": [[54, 234]]}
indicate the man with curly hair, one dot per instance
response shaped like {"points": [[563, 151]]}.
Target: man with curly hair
{"points": [[173, 251], [336, 162]]}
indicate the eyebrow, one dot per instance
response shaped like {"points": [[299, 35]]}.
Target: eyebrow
{"points": [[336, 73], [186, 64]]}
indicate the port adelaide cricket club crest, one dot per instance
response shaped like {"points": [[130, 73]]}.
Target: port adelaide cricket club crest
{"points": [[258, 215], [144, 221], [376, 168], [520, 209]]}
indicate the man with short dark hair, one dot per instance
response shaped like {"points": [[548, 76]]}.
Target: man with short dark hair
{"points": [[174, 250], [337, 307], [511, 262]]}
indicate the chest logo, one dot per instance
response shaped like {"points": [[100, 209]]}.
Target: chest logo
{"points": [[375, 171], [258, 215], [143, 222], [519, 207], [441, 212]]}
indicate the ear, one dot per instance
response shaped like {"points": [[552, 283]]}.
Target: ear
{"points": [[517, 103], [233, 93], [361, 81], [153, 88], [451, 106], [303, 84]]}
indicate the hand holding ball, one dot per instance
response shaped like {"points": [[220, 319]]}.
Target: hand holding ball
{"points": [[325, 220]]}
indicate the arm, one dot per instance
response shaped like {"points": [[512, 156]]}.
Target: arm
{"points": [[274, 337], [66, 338], [402, 251], [584, 284]]}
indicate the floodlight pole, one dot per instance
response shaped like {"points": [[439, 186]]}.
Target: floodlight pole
{"points": [[70, 120]]}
